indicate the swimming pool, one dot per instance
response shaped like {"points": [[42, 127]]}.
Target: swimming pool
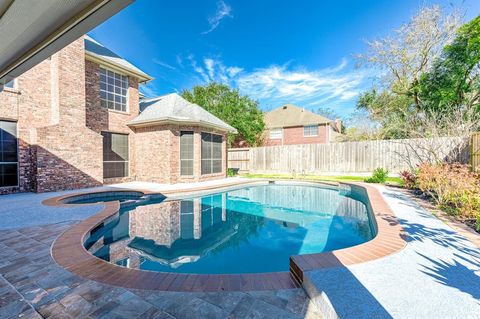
{"points": [[251, 229]]}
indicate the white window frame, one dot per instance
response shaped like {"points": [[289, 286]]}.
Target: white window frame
{"points": [[114, 94], [18, 158], [15, 85], [278, 135], [180, 153], [307, 130]]}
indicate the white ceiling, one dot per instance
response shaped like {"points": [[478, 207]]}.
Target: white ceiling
{"points": [[32, 30]]}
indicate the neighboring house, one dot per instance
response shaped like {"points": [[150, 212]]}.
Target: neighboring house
{"points": [[290, 124], [73, 121]]}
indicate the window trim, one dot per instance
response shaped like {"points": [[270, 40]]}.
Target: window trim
{"points": [[211, 159], [275, 138], [127, 94], [180, 153], [128, 150], [18, 156], [310, 126], [14, 88]]}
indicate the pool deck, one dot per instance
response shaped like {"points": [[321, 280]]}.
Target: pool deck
{"points": [[32, 285], [437, 275]]}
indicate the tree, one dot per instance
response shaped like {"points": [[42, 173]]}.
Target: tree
{"points": [[453, 84], [229, 105], [403, 59], [330, 114], [412, 50]]}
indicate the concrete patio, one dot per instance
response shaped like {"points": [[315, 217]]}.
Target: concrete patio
{"points": [[437, 275]]}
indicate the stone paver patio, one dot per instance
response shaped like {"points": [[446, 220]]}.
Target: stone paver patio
{"points": [[437, 275], [32, 285]]}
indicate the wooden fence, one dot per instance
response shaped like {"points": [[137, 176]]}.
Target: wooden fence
{"points": [[475, 152], [349, 157]]}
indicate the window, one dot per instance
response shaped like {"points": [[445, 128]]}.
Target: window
{"points": [[10, 85], [8, 154], [211, 153], [276, 133], [115, 155], [186, 153], [310, 130], [113, 90]]}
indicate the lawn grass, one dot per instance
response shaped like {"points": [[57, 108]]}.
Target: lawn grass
{"points": [[326, 178]]}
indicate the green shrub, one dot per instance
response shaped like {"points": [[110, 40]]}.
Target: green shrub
{"points": [[379, 175], [231, 172]]}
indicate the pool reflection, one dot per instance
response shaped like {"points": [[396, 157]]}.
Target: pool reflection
{"points": [[254, 229]]}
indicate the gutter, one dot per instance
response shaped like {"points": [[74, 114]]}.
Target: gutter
{"points": [[144, 123]]}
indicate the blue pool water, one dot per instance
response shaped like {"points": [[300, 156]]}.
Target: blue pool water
{"points": [[252, 229]]}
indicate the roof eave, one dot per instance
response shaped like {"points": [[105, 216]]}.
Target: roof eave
{"points": [[144, 123], [296, 125], [142, 77]]}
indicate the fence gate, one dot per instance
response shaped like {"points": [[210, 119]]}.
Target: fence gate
{"points": [[475, 151]]}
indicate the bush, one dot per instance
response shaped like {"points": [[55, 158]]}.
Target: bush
{"points": [[231, 172], [379, 175], [409, 179], [453, 187]]}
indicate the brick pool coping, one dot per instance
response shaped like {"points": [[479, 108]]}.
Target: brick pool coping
{"points": [[69, 252]]}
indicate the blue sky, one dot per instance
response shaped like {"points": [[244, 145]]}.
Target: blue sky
{"points": [[275, 51]]}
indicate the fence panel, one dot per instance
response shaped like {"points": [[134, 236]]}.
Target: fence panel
{"points": [[238, 158], [352, 157]]}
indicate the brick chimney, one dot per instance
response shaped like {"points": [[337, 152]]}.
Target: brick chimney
{"points": [[338, 125]]}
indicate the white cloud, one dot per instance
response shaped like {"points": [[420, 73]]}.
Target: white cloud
{"points": [[161, 63], [278, 84], [149, 89], [284, 84], [223, 11]]}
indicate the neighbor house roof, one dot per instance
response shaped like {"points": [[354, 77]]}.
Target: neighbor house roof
{"points": [[173, 109], [290, 115], [99, 53]]}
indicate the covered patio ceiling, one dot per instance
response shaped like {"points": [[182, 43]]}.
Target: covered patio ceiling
{"points": [[32, 30]]}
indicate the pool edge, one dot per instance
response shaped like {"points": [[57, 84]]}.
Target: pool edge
{"points": [[68, 251]]}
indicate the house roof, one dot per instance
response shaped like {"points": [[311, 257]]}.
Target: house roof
{"points": [[290, 115], [102, 54], [172, 108]]}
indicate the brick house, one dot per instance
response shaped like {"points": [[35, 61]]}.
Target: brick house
{"points": [[290, 124], [64, 124]]}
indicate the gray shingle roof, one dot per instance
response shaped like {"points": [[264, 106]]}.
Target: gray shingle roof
{"points": [[99, 51], [172, 108], [290, 115]]}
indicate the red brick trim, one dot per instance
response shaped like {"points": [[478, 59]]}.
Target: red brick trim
{"points": [[69, 252], [390, 239]]}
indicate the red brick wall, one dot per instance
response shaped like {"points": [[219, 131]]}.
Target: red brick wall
{"points": [[56, 150], [59, 119], [158, 151], [68, 153], [101, 119], [294, 135]]}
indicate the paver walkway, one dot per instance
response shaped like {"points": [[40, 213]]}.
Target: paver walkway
{"points": [[437, 275]]}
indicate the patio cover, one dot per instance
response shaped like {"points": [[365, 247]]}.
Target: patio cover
{"points": [[33, 30]]}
